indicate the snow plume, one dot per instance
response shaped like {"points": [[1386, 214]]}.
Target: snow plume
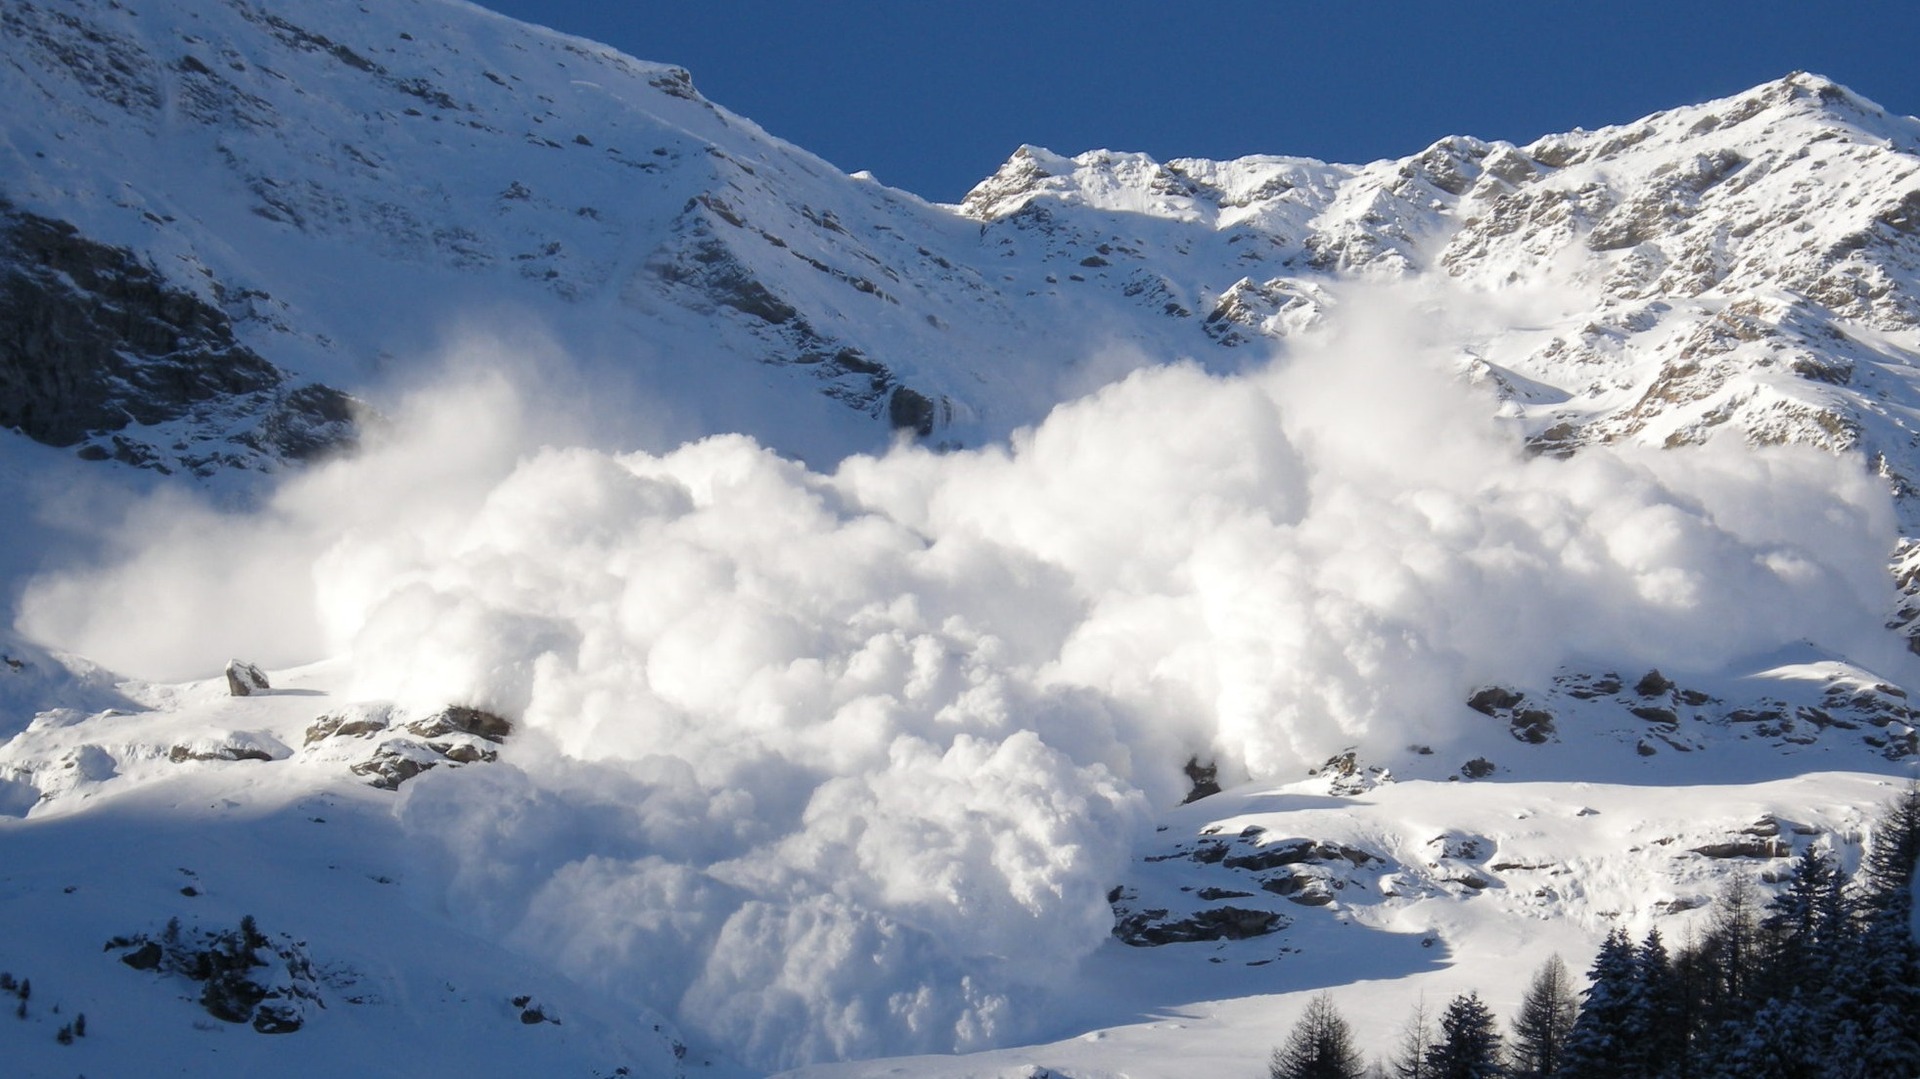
{"points": [[842, 764]]}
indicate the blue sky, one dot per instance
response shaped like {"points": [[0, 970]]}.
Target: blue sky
{"points": [[932, 97]]}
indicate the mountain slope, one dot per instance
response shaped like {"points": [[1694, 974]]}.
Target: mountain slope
{"points": [[605, 202], [638, 703]]}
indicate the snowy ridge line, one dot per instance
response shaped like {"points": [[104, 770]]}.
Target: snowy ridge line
{"points": [[771, 620]]}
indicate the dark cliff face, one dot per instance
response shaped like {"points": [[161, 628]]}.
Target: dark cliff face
{"points": [[93, 341]]}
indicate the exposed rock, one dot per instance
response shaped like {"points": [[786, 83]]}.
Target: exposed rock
{"points": [[459, 718], [1750, 846], [1346, 777], [463, 752], [99, 340], [244, 976], [396, 761], [1653, 684], [351, 722], [145, 957], [1478, 768], [1532, 725], [1205, 779], [1457, 845], [452, 736], [1298, 851], [911, 410], [1586, 688], [1149, 928], [1494, 699], [233, 746], [1306, 889], [1513, 867], [533, 1012], [243, 678]]}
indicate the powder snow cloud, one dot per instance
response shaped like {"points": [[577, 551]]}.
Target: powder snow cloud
{"points": [[837, 763]]}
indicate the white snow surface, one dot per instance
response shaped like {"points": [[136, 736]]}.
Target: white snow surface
{"points": [[831, 748], [824, 766]]}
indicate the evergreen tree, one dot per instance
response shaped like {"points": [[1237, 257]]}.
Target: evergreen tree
{"points": [[1884, 977], [1469, 1045], [1846, 1048], [1319, 1047], [1545, 1022], [1801, 931], [1603, 1043], [1661, 1016], [1780, 1041]]}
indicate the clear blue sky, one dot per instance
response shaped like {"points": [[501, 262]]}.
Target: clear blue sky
{"points": [[932, 97]]}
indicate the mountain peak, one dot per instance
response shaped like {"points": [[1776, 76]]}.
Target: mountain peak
{"points": [[1802, 93]]}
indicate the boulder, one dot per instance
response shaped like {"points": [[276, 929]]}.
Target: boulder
{"points": [[396, 761], [464, 720], [243, 678]]}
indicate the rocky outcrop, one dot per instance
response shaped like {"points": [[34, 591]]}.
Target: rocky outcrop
{"points": [[230, 746], [406, 747], [1262, 875], [1154, 927], [244, 977], [99, 345]]}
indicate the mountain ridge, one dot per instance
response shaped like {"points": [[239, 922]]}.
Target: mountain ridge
{"points": [[751, 733]]}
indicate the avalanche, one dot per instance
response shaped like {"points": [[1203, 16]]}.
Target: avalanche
{"points": [[769, 621]]}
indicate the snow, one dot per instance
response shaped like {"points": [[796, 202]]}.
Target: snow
{"points": [[829, 747], [862, 753]]}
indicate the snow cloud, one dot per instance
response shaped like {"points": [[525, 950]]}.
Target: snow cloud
{"points": [[842, 763]]}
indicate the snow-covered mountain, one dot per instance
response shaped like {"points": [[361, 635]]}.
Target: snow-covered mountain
{"points": [[399, 178], [725, 615]]}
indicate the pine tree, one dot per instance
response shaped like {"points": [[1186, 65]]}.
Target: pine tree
{"points": [[1779, 1041], [1545, 1022], [1800, 933], [1603, 1043], [1469, 1045], [1661, 1017], [1319, 1047], [1846, 1049], [1884, 978]]}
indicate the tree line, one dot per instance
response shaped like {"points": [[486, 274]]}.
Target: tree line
{"points": [[1820, 981]]}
